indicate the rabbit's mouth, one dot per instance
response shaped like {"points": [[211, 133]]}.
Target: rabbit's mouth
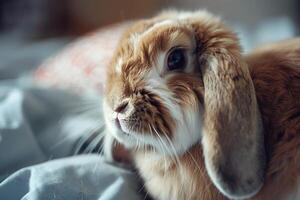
{"points": [[128, 127], [119, 126]]}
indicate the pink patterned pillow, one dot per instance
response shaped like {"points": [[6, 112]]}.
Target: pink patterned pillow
{"points": [[82, 64]]}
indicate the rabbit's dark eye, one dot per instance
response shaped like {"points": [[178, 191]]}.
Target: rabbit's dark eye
{"points": [[176, 59]]}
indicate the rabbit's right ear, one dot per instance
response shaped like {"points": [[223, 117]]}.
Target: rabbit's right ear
{"points": [[232, 134]]}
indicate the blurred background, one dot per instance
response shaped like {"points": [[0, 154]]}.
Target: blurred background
{"points": [[32, 30]]}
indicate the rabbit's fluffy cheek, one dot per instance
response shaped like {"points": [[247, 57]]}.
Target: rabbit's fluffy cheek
{"points": [[163, 116], [143, 121]]}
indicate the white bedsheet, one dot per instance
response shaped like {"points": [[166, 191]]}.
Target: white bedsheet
{"points": [[32, 131], [78, 178]]}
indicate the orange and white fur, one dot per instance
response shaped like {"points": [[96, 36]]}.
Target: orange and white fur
{"points": [[200, 120]]}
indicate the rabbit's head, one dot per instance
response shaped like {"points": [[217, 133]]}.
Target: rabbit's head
{"points": [[178, 79]]}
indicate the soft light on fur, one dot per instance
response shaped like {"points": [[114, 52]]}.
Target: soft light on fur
{"points": [[198, 133]]}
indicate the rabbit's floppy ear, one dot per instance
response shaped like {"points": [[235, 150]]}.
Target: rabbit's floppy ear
{"points": [[232, 134]]}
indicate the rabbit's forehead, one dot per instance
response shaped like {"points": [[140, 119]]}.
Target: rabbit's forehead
{"points": [[147, 49]]}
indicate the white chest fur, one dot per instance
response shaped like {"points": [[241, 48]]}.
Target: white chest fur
{"points": [[168, 178], [161, 178]]}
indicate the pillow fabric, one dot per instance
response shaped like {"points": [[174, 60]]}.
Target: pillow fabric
{"points": [[82, 65]]}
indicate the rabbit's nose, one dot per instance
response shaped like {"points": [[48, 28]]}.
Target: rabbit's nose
{"points": [[121, 107]]}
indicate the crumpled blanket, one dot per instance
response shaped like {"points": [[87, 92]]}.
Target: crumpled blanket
{"points": [[35, 150], [77, 178]]}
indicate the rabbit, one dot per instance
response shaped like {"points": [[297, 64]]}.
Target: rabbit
{"points": [[198, 119]]}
